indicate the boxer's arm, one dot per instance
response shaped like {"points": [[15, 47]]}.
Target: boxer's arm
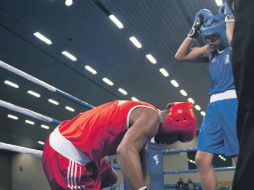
{"points": [[229, 31], [230, 22], [186, 53], [145, 125], [144, 162], [226, 11]]}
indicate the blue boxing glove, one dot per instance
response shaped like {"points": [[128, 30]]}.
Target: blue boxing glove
{"points": [[200, 18], [226, 11]]}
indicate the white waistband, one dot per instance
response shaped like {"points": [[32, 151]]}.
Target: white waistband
{"points": [[64, 147], [229, 94]]}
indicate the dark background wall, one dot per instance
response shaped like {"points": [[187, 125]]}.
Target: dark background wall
{"points": [[5, 170]]}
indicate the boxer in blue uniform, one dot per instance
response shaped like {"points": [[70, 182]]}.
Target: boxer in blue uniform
{"points": [[218, 130]]}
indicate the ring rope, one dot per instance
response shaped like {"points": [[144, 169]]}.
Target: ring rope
{"points": [[20, 149], [44, 84], [28, 112], [173, 151], [38, 153], [196, 170]]}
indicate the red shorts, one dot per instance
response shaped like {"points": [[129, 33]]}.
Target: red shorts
{"points": [[63, 173]]}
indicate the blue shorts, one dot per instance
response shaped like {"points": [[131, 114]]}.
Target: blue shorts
{"points": [[218, 130]]}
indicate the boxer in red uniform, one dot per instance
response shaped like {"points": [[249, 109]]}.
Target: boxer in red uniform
{"points": [[73, 155]]}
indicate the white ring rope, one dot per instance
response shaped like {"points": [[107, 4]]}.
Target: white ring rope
{"points": [[45, 85], [27, 112], [20, 149], [26, 76]]}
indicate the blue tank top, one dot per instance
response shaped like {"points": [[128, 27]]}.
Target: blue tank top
{"points": [[220, 69]]}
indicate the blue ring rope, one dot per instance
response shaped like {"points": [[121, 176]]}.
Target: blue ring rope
{"points": [[173, 151]]}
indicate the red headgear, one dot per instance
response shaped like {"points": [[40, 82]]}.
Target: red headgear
{"points": [[180, 120]]}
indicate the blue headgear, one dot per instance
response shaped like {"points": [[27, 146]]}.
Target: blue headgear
{"points": [[215, 26]]}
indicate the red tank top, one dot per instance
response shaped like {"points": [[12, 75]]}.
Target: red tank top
{"points": [[98, 132]]}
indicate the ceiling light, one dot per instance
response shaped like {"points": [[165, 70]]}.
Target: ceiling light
{"points": [[40, 142], [135, 42], [202, 113], [69, 55], [29, 122], [134, 99], [151, 58], [107, 81], [183, 92], [219, 2], [42, 38], [12, 117], [192, 161], [197, 107], [90, 69], [53, 102], [174, 83], [44, 126], [164, 72], [124, 92], [9, 83], [35, 94], [69, 108], [116, 21], [191, 100], [68, 3], [222, 157]]}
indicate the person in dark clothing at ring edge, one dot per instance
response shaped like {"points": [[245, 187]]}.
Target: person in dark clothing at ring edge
{"points": [[243, 70]]}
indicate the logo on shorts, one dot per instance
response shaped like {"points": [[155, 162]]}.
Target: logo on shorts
{"points": [[156, 158]]}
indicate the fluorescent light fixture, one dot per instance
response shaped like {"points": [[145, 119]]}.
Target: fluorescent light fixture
{"points": [[151, 58], [116, 21], [219, 2], [40, 142], [69, 108], [202, 113], [222, 157], [183, 92], [29, 122], [174, 83], [107, 81], [35, 94], [12, 84], [12, 117], [135, 42], [124, 92], [197, 107], [192, 161], [42, 38], [191, 100], [134, 99], [53, 102], [90, 69], [44, 126], [68, 3], [69, 55], [164, 72]]}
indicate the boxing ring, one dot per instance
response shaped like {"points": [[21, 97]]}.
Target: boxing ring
{"points": [[155, 152]]}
